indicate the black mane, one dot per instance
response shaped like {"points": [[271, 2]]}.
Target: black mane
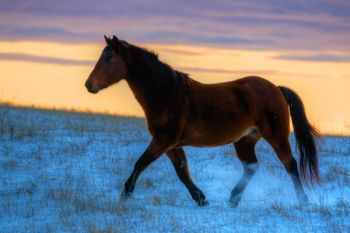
{"points": [[160, 72]]}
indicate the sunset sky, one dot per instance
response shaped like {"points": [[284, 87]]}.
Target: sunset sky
{"points": [[48, 48]]}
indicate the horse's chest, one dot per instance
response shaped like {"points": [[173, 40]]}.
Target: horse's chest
{"points": [[164, 123]]}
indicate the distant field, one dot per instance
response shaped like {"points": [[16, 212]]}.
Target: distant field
{"points": [[64, 172]]}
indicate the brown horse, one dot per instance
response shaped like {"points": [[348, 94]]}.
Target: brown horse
{"points": [[183, 112]]}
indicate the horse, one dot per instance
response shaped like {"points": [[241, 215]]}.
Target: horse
{"points": [[181, 111]]}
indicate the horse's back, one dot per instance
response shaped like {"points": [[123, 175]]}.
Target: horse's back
{"points": [[251, 94]]}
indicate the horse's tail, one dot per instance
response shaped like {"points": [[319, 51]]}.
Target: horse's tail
{"points": [[305, 135]]}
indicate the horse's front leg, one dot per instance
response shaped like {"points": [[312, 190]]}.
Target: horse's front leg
{"points": [[154, 151]]}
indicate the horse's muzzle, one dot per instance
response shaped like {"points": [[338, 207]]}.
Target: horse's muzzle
{"points": [[91, 88]]}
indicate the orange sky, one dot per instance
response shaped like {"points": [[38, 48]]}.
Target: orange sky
{"points": [[323, 85]]}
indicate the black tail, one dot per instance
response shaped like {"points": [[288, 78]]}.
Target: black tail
{"points": [[305, 137]]}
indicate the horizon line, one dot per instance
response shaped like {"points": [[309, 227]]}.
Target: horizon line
{"points": [[107, 113]]}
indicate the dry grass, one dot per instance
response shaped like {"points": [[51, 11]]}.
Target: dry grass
{"points": [[65, 171]]}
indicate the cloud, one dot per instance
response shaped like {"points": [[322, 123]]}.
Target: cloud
{"points": [[41, 59], [182, 51], [262, 25], [41, 33], [315, 57], [225, 71], [256, 72]]}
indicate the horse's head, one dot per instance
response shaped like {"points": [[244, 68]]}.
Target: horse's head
{"points": [[110, 67]]}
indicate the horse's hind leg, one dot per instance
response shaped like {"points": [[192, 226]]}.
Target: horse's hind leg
{"points": [[178, 159], [282, 148], [245, 149]]}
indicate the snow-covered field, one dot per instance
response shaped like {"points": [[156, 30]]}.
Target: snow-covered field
{"points": [[64, 172]]}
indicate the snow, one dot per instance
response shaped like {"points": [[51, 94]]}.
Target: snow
{"points": [[64, 172]]}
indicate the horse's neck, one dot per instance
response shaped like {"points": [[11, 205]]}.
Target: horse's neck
{"points": [[143, 91], [152, 93]]}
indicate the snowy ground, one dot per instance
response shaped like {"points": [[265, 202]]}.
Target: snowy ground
{"points": [[64, 172]]}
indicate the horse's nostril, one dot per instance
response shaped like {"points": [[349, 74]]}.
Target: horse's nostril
{"points": [[91, 88], [88, 85]]}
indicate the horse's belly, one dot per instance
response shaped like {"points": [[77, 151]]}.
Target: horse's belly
{"points": [[216, 137]]}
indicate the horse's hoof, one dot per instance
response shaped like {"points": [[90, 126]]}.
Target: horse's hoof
{"points": [[203, 203], [234, 204], [234, 201], [303, 200], [199, 197], [125, 195]]}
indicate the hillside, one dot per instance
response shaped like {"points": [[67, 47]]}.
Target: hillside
{"points": [[64, 172]]}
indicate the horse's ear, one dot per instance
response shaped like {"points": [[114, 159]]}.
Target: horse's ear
{"points": [[116, 44], [121, 47], [108, 40], [115, 38]]}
